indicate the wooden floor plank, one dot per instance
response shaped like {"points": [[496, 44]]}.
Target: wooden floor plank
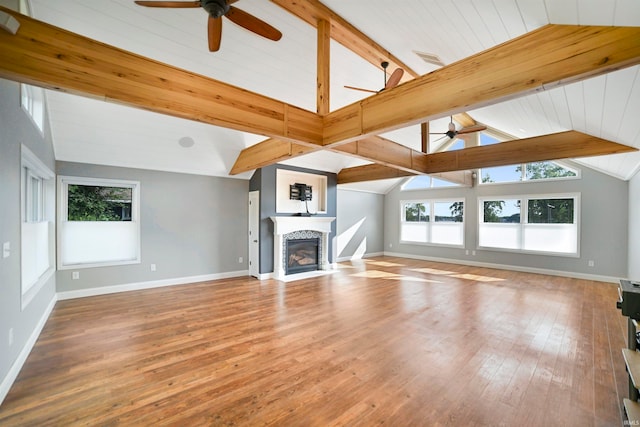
{"points": [[382, 341]]}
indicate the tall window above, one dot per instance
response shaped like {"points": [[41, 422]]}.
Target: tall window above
{"points": [[32, 100], [37, 212], [527, 172], [524, 172], [422, 182], [438, 222], [546, 223], [98, 222]]}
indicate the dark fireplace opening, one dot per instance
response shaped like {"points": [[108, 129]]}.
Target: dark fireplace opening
{"points": [[302, 255]]}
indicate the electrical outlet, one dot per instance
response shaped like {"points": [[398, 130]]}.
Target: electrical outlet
{"points": [[591, 263], [75, 275], [240, 259], [390, 245], [473, 253], [466, 252], [153, 267], [6, 249]]}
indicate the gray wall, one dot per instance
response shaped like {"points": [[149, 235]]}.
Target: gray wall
{"points": [[360, 225], [16, 128], [264, 180], [634, 227], [191, 225], [603, 236]]}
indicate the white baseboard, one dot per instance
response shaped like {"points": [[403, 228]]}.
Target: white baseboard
{"points": [[11, 376], [508, 267], [104, 290]]}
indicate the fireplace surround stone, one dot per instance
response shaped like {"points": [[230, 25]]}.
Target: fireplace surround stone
{"points": [[284, 225]]}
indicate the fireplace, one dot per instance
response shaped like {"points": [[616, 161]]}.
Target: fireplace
{"points": [[302, 255], [287, 231]]}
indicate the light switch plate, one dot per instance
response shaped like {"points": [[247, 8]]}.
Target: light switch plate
{"points": [[6, 249]]}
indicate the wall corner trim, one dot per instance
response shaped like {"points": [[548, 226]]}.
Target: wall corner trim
{"points": [[11, 376], [105, 290], [570, 274]]}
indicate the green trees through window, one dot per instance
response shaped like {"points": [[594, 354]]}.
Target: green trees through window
{"points": [[98, 203], [415, 212], [527, 172]]}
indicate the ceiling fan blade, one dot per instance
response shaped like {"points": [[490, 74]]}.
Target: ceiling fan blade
{"points": [[361, 89], [214, 32], [394, 79], [174, 4], [471, 129], [253, 24]]}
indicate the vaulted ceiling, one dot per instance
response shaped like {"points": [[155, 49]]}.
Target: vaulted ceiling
{"points": [[94, 131]]}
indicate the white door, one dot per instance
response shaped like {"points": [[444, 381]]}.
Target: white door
{"points": [[254, 233]]}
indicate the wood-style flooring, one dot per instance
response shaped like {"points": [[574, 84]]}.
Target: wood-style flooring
{"points": [[383, 341]]}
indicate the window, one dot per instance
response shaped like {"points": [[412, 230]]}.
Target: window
{"points": [[98, 222], [432, 221], [547, 223], [524, 172], [32, 100], [37, 213], [527, 172], [422, 182]]}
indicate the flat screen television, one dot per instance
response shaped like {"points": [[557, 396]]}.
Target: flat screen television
{"points": [[302, 192]]}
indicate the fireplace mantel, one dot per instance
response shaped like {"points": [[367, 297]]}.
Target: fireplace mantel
{"points": [[283, 225], [289, 224]]}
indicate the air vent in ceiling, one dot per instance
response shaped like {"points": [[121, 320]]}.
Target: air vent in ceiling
{"points": [[430, 58]]}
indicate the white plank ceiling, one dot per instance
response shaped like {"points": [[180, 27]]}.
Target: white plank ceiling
{"points": [[87, 130]]}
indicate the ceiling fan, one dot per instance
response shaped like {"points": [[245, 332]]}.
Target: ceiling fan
{"points": [[452, 132], [216, 10], [393, 81]]}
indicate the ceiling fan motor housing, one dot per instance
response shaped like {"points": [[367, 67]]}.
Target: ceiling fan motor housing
{"points": [[215, 8]]}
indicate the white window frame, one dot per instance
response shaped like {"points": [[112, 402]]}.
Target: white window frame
{"points": [[523, 174], [429, 224], [524, 221], [32, 102], [63, 187], [37, 212], [430, 187]]}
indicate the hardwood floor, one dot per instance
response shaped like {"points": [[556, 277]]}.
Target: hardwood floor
{"points": [[383, 341]]}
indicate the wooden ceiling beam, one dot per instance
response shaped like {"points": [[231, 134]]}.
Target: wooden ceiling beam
{"points": [[562, 145], [385, 152], [370, 172], [50, 57], [312, 11], [550, 56], [47, 56], [267, 153], [376, 171], [323, 64]]}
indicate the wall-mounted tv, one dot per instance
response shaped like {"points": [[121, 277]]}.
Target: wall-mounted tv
{"points": [[300, 192]]}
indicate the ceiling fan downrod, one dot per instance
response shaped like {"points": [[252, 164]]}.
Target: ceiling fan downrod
{"points": [[384, 65]]}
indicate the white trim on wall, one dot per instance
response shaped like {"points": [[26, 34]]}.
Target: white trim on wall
{"points": [[11, 376], [508, 267], [104, 290]]}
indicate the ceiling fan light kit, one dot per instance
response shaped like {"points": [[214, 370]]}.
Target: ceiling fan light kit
{"points": [[215, 8], [452, 132]]}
